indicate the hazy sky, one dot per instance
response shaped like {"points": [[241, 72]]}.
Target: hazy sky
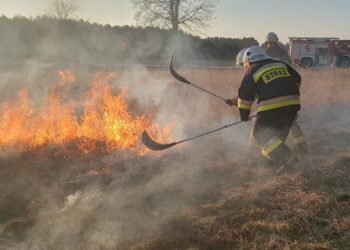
{"points": [[234, 18]]}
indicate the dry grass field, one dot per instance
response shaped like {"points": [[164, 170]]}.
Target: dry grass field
{"points": [[204, 194]]}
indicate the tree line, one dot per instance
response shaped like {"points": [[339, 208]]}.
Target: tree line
{"points": [[48, 39]]}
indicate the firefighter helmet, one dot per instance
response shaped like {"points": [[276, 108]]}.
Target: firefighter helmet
{"points": [[239, 58], [254, 54], [271, 37]]}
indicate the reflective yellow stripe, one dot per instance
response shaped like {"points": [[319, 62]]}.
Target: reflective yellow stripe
{"points": [[266, 68], [279, 99], [244, 104], [298, 140], [278, 105], [271, 146]]}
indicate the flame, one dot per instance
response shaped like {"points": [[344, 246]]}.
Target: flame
{"points": [[67, 76], [105, 125]]}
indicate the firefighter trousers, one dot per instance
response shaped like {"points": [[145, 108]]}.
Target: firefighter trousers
{"points": [[270, 131], [298, 137]]}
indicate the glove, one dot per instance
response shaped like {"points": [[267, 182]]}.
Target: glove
{"points": [[229, 102]]}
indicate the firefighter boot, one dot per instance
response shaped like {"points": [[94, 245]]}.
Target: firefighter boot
{"points": [[291, 164], [301, 148]]}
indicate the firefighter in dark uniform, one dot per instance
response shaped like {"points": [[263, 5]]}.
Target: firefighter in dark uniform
{"points": [[275, 86], [274, 50]]}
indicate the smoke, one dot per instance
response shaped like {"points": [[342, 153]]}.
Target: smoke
{"points": [[50, 203], [325, 115], [65, 207]]}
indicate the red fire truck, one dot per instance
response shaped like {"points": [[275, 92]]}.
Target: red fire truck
{"points": [[319, 51]]}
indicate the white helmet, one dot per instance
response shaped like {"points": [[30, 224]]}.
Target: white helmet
{"points": [[239, 58], [271, 37], [255, 54]]}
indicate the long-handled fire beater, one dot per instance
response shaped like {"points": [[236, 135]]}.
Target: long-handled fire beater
{"points": [[153, 145]]}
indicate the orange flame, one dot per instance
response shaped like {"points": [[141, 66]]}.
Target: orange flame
{"points": [[105, 123], [67, 76]]}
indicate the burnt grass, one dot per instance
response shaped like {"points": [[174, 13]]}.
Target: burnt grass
{"points": [[230, 206]]}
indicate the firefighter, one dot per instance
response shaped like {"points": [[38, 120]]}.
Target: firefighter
{"points": [[275, 86], [275, 51], [274, 48]]}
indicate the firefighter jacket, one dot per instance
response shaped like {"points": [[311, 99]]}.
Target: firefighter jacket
{"points": [[278, 53], [273, 83]]}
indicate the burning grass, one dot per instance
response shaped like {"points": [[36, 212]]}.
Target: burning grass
{"points": [[105, 123]]}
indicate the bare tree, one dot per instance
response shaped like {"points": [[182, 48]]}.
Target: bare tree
{"points": [[188, 15], [62, 9]]}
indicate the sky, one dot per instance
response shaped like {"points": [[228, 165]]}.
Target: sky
{"points": [[234, 18]]}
